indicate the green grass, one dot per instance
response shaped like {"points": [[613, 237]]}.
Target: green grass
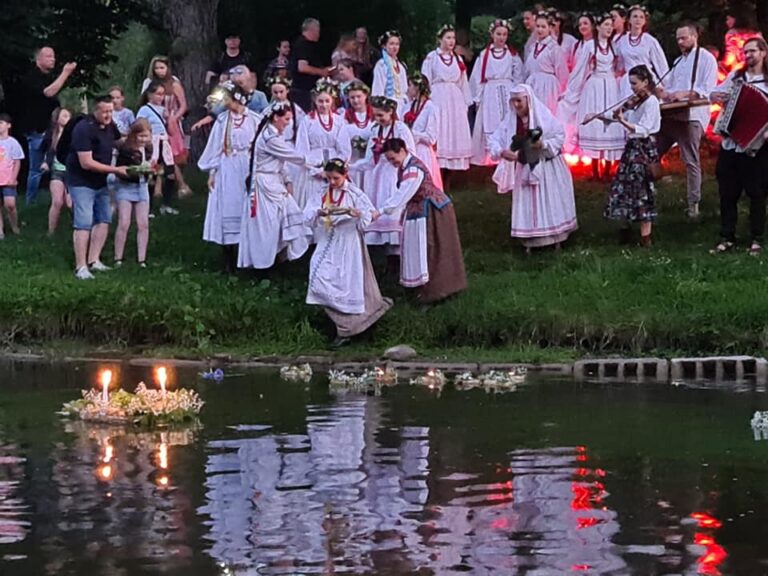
{"points": [[594, 298]]}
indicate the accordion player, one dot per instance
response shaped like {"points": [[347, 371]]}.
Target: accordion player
{"points": [[744, 118]]}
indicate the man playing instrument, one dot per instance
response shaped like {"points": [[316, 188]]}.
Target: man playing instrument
{"points": [[739, 170], [693, 77]]}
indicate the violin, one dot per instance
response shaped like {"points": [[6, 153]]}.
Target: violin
{"points": [[631, 103]]}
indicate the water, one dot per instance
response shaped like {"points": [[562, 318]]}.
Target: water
{"points": [[283, 478]]}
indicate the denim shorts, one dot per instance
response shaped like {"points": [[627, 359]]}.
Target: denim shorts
{"points": [[90, 207], [8, 191]]}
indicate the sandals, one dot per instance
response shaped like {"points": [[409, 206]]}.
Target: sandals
{"points": [[755, 249], [723, 247]]}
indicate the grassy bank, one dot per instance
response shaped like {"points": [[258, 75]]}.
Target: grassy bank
{"points": [[593, 298]]}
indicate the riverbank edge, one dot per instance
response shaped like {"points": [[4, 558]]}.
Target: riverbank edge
{"points": [[717, 368]]}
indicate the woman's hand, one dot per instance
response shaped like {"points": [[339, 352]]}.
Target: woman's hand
{"points": [[44, 167], [509, 155], [355, 213]]}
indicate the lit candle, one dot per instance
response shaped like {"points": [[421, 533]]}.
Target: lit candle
{"points": [[162, 378], [106, 380]]}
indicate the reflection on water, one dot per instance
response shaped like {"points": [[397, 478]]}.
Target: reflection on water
{"points": [[285, 479]]}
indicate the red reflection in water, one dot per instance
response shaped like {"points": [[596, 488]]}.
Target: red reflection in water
{"points": [[714, 554], [581, 567]]}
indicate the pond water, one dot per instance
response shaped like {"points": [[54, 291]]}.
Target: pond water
{"points": [[284, 478]]}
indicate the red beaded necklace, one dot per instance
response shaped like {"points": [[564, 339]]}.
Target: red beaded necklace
{"points": [[635, 43], [329, 200], [495, 50], [327, 127], [605, 51], [447, 62], [351, 117]]}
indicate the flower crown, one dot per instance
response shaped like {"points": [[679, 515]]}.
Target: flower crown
{"points": [[336, 164], [326, 86], [421, 82], [276, 107], [384, 38], [383, 103], [619, 7], [356, 85], [224, 91], [641, 7], [444, 29], [499, 23], [600, 18], [272, 80], [548, 16]]}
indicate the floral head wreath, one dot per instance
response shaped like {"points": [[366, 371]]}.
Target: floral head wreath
{"points": [[421, 82], [588, 15], [357, 85], [548, 16], [640, 7], [499, 23], [272, 80], [336, 164], [444, 29], [383, 103], [224, 92], [326, 86], [276, 107], [600, 18], [384, 38], [619, 8]]}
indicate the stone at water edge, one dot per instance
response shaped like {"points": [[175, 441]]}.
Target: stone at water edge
{"points": [[400, 353]]}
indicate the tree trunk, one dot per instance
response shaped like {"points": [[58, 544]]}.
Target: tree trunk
{"points": [[192, 26], [464, 10]]}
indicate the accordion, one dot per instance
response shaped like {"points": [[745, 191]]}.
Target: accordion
{"points": [[744, 119]]}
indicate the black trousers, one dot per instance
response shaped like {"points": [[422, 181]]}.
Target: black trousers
{"points": [[736, 173]]}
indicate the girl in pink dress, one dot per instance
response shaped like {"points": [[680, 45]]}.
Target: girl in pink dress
{"points": [[546, 69], [447, 76]]}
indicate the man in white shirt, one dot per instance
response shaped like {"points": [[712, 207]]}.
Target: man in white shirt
{"points": [[739, 170], [693, 76]]}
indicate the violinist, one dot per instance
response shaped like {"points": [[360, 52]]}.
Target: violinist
{"points": [[632, 197], [693, 76]]}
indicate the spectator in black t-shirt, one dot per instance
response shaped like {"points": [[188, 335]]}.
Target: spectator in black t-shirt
{"points": [[37, 99], [88, 164], [307, 64], [231, 57]]}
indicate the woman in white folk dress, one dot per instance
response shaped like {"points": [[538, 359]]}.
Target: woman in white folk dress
{"points": [[585, 26], [546, 70], [380, 175], [567, 42], [359, 118], [322, 135], [543, 206], [447, 77], [226, 158], [497, 70], [596, 72], [619, 16], [341, 277], [422, 119], [390, 76], [637, 47], [280, 90], [272, 221]]}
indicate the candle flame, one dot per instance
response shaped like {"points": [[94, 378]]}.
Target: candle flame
{"points": [[162, 376], [109, 453], [163, 480], [106, 378], [105, 472]]}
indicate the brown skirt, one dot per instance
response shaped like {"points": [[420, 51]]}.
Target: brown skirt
{"points": [[445, 260], [348, 325]]}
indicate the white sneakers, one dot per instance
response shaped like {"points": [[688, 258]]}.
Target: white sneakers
{"points": [[99, 266], [84, 274], [168, 210]]}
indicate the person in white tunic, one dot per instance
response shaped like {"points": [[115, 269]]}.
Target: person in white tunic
{"points": [[543, 206], [619, 16], [592, 87], [693, 76], [390, 76], [280, 91], [322, 135], [636, 48], [341, 277], [381, 176], [497, 70], [447, 76], [546, 70], [226, 158], [422, 119], [586, 28], [272, 221], [567, 42], [529, 23], [359, 118]]}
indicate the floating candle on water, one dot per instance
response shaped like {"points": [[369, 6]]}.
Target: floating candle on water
{"points": [[162, 378], [106, 380]]}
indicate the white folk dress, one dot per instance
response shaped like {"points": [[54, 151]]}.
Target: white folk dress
{"points": [[228, 152], [633, 51], [450, 92], [546, 72], [592, 87], [381, 181], [395, 87], [424, 132], [543, 206], [271, 219], [569, 46], [341, 277], [320, 138], [494, 75], [359, 130]]}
